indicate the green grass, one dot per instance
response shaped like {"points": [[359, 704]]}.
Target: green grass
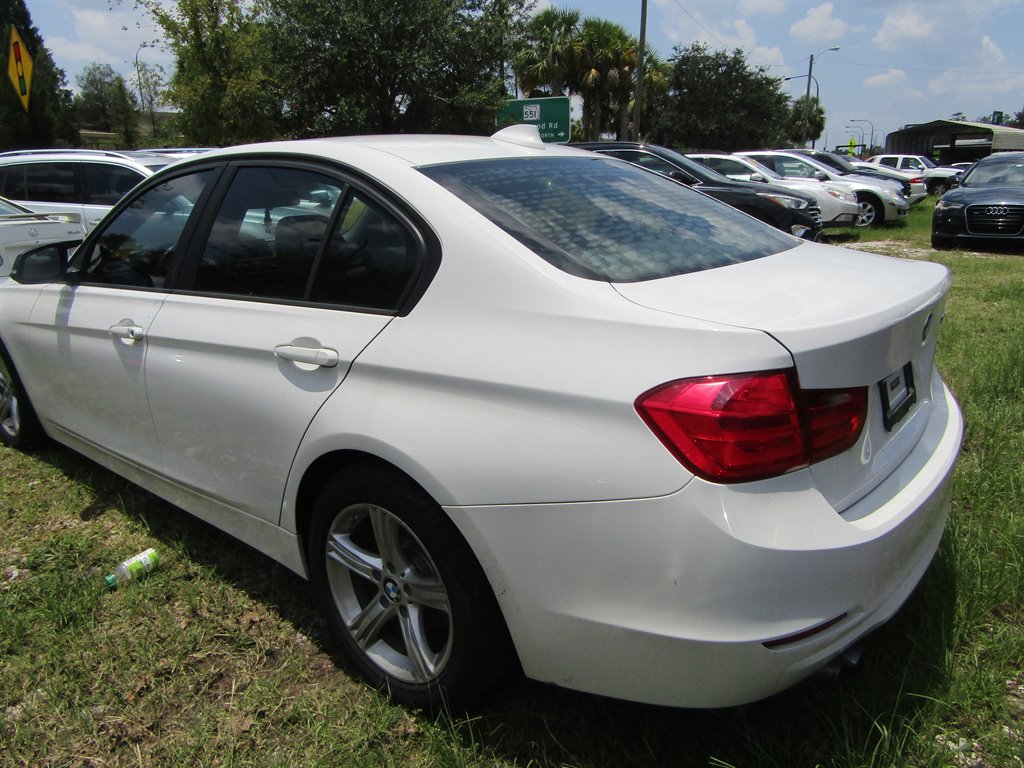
{"points": [[220, 658]]}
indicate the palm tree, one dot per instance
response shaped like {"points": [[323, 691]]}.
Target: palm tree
{"points": [[607, 61], [547, 58]]}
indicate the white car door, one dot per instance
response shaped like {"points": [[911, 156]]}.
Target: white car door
{"points": [[89, 334], [298, 274]]}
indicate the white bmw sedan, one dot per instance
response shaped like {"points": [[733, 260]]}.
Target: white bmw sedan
{"points": [[505, 401]]}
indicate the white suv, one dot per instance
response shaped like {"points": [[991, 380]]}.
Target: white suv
{"points": [[937, 179], [879, 200], [85, 182]]}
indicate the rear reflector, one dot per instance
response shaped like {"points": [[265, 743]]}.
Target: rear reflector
{"points": [[798, 636], [751, 426]]}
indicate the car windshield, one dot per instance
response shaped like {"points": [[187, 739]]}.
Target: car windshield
{"points": [[996, 170], [926, 162], [835, 161], [608, 220]]}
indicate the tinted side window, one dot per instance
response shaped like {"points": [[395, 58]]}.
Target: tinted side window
{"points": [[268, 233], [791, 167], [370, 259], [889, 161], [12, 182], [51, 182], [645, 160], [136, 247], [106, 184]]}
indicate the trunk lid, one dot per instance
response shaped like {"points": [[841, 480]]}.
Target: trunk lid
{"points": [[848, 319]]}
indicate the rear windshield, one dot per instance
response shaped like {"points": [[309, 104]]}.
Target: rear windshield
{"points": [[605, 219]]}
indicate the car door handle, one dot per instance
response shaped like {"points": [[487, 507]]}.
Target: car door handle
{"points": [[321, 356], [128, 331]]}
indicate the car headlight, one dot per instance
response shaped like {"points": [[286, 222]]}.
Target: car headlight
{"points": [[784, 200], [841, 194], [947, 205]]}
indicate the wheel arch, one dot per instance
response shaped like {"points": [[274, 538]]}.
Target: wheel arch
{"points": [[319, 472], [326, 466]]}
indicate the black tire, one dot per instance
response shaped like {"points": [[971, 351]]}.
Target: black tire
{"points": [[939, 187], [870, 213], [402, 590], [19, 427]]}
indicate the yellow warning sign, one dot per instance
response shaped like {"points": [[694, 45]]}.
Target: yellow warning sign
{"points": [[19, 68]]}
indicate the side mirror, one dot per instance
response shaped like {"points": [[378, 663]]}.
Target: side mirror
{"points": [[820, 176], [45, 264], [758, 177]]}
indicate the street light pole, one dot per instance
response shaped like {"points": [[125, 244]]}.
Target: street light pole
{"points": [[872, 130], [138, 74], [639, 99], [807, 96]]}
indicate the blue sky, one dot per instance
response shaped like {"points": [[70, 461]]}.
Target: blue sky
{"points": [[899, 61]]}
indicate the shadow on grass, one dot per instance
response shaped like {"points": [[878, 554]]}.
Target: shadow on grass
{"points": [[869, 718]]}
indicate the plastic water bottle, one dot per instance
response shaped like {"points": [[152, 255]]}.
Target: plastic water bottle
{"points": [[134, 568]]}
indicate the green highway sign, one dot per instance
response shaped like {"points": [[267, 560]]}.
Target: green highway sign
{"points": [[550, 114]]}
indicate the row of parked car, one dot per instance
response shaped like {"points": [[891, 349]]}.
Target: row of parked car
{"points": [[805, 191]]}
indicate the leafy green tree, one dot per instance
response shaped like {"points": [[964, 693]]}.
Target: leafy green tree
{"points": [[806, 120], [716, 100], [104, 102], [225, 84], [657, 74], [50, 120], [547, 58], [1017, 121], [392, 65]]}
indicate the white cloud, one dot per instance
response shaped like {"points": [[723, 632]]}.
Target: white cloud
{"points": [[990, 52], [819, 25], [970, 85], [890, 79], [767, 57], [902, 27]]}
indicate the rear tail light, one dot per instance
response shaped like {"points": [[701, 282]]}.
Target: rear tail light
{"points": [[752, 426]]}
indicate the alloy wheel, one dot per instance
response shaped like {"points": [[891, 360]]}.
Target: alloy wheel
{"points": [[10, 419], [388, 593]]}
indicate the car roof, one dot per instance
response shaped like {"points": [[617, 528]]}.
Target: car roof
{"points": [[410, 150], [51, 155]]}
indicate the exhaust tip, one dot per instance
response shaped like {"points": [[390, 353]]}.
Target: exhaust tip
{"points": [[842, 665]]}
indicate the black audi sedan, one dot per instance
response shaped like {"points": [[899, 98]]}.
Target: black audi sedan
{"points": [[787, 209], [987, 207]]}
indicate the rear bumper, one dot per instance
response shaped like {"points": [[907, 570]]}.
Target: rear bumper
{"points": [[687, 600]]}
